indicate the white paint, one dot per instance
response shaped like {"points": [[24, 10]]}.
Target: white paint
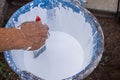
{"points": [[68, 24], [63, 58]]}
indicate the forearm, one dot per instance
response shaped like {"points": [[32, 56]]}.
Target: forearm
{"points": [[31, 34], [10, 38]]}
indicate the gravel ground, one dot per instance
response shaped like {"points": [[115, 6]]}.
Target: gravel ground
{"points": [[108, 68]]}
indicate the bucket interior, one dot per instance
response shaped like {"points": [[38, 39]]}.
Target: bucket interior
{"points": [[70, 48]]}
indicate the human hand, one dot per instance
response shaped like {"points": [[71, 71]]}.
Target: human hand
{"points": [[34, 35]]}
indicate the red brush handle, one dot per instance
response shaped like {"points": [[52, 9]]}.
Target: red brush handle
{"points": [[38, 18]]}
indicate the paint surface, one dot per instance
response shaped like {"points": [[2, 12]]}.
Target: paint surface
{"points": [[63, 58]]}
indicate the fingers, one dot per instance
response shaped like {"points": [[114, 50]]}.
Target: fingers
{"points": [[43, 29], [45, 25], [35, 33], [39, 39], [38, 43], [34, 28], [37, 25]]}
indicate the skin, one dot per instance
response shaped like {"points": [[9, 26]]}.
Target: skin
{"points": [[31, 34]]}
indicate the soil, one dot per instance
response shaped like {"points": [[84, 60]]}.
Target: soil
{"points": [[109, 66]]}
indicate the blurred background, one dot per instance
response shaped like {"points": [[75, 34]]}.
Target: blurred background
{"points": [[107, 13]]}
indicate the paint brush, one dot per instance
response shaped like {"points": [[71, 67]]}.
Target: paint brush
{"points": [[43, 48]]}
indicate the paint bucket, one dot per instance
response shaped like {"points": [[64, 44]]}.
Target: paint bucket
{"points": [[81, 32]]}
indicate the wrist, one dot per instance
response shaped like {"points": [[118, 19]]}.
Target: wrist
{"points": [[18, 40]]}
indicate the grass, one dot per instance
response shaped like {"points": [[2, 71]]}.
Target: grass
{"points": [[5, 72]]}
